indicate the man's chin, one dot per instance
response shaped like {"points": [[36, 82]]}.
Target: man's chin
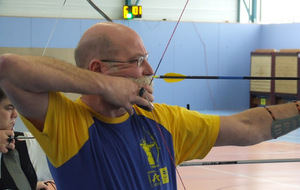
{"points": [[144, 80]]}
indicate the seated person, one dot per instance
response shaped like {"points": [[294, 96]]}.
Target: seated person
{"points": [[32, 158]]}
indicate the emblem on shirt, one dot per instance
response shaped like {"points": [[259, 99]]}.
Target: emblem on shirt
{"points": [[151, 150], [157, 175]]}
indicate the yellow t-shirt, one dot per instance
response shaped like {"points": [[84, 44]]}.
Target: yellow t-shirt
{"points": [[125, 152]]}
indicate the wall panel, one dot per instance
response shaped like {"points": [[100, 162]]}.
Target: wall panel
{"points": [[196, 49]]}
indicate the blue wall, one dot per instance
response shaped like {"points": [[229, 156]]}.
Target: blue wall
{"points": [[196, 49], [280, 36]]}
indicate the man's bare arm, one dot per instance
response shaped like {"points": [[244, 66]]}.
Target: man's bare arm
{"points": [[28, 79], [256, 125]]}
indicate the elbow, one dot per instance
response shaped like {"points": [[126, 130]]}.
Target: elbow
{"points": [[6, 65]]}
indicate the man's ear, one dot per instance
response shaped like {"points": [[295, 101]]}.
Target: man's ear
{"points": [[95, 65]]}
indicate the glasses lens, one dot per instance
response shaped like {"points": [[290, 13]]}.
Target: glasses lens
{"points": [[141, 59]]}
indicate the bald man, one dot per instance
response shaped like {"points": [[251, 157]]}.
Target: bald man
{"points": [[104, 140]]}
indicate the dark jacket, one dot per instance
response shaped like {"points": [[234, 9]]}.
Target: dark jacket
{"points": [[6, 181]]}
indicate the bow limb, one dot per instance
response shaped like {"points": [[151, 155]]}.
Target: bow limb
{"points": [[99, 10]]}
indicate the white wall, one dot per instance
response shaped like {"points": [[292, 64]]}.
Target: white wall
{"points": [[197, 10]]}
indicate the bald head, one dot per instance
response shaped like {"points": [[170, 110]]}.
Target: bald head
{"points": [[103, 40]]}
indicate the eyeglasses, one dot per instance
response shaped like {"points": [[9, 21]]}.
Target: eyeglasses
{"points": [[138, 61]]}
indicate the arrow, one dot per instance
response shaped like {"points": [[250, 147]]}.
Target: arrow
{"points": [[240, 162], [10, 139], [175, 77]]}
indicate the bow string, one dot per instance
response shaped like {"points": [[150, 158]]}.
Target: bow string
{"points": [[54, 27]]}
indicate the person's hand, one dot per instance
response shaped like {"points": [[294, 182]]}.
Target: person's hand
{"points": [[148, 93], [144, 93], [41, 186], [45, 185], [4, 143], [124, 93]]}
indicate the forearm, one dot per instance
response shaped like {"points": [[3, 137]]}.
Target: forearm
{"points": [[283, 125], [28, 79], [256, 125], [43, 74], [271, 115]]}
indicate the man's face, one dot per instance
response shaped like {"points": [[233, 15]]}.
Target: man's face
{"points": [[132, 59], [8, 115]]}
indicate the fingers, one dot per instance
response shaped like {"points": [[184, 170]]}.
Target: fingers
{"points": [[11, 145], [5, 141], [41, 185], [11, 142], [6, 146], [129, 109], [3, 149], [148, 88], [143, 93], [148, 94], [126, 93]]}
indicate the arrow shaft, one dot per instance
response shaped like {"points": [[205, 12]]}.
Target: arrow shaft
{"points": [[240, 162], [228, 77]]}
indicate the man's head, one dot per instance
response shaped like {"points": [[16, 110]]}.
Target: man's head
{"points": [[113, 49], [8, 113]]}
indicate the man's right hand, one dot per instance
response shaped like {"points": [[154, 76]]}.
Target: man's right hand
{"points": [[124, 93]]}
